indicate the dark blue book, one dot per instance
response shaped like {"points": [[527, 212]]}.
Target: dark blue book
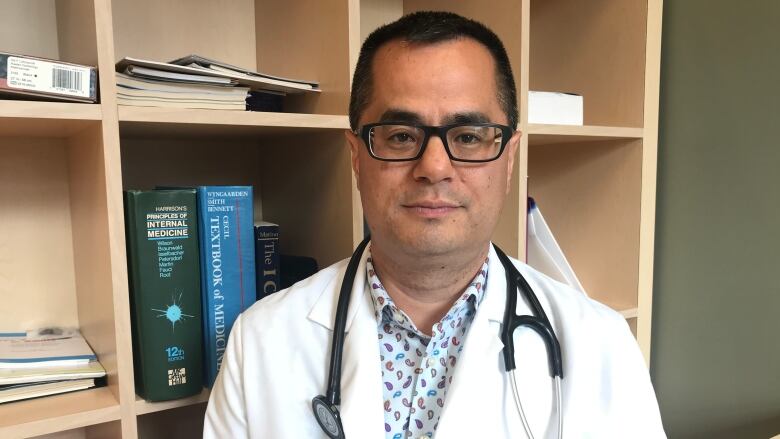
{"points": [[225, 217], [267, 257]]}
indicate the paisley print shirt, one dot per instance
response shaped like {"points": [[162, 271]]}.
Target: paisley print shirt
{"points": [[417, 369]]}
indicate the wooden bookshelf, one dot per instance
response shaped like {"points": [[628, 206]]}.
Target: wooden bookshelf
{"points": [[63, 166], [145, 407], [58, 413], [541, 134]]}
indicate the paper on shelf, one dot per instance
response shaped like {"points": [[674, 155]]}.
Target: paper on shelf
{"points": [[544, 253]]}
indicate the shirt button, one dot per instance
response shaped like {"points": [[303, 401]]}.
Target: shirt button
{"points": [[430, 363]]}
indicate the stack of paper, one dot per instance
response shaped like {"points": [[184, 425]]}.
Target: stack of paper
{"points": [[45, 362], [197, 82]]}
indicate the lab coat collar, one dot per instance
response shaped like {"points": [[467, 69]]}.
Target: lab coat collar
{"points": [[324, 310], [362, 396]]}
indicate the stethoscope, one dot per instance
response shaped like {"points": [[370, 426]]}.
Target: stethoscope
{"points": [[325, 407]]}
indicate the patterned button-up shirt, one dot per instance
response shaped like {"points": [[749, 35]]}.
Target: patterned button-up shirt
{"points": [[417, 369]]}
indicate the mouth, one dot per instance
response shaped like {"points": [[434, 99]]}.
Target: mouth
{"points": [[431, 209]]}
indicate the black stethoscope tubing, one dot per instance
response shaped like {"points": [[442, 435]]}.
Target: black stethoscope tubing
{"points": [[325, 407]]}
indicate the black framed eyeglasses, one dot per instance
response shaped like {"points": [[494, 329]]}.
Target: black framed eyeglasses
{"points": [[399, 141]]}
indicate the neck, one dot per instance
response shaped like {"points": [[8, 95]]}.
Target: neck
{"points": [[426, 290]]}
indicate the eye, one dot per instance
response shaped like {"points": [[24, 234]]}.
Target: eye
{"points": [[468, 138], [401, 137]]}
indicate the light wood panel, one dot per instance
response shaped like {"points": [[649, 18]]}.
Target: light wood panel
{"points": [[26, 28], [123, 387], [649, 172], [147, 163], [163, 122], [91, 248], [594, 48], [58, 413], [307, 39], [589, 194], [541, 134], [46, 119], [307, 190], [76, 31], [166, 30], [37, 278]]}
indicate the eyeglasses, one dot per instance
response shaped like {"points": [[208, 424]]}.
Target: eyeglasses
{"points": [[398, 141]]}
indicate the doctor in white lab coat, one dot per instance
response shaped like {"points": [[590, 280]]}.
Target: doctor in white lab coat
{"points": [[278, 352], [434, 80]]}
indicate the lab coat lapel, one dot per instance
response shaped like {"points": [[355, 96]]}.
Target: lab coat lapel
{"points": [[361, 375], [473, 397], [479, 400]]}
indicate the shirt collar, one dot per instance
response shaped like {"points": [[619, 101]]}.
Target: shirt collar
{"points": [[387, 312]]}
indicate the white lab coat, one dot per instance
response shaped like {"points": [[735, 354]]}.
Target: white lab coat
{"points": [[277, 361]]}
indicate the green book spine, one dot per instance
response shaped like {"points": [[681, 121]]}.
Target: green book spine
{"points": [[164, 272]]}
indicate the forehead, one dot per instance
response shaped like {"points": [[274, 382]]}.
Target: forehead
{"points": [[434, 80]]}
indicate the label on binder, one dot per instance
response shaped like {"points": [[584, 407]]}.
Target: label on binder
{"points": [[49, 77]]}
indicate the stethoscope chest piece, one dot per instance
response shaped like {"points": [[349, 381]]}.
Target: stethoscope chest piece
{"points": [[328, 417]]}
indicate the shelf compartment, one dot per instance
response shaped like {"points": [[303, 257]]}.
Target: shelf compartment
{"points": [[180, 422], [301, 181], [55, 413], [306, 39], [589, 194], [543, 134], [56, 226], [152, 122], [595, 49], [144, 407], [45, 119]]}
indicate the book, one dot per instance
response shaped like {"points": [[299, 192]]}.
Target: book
{"points": [[225, 215], [555, 108], [30, 77], [253, 82], [48, 347], [164, 272], [200, 61], [168, 76], [17, 392], [92, 369], [267, 257]]}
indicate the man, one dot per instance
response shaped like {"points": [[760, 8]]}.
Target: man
{"points": [[433, 113]]}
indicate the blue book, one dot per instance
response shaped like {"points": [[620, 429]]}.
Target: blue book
{"points": [[267, 257], [225, 217]]}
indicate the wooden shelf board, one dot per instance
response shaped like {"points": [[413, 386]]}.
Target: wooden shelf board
{"points": [[55, 413], [161, 122], [144, 407], [543, 134], [46, 119]]}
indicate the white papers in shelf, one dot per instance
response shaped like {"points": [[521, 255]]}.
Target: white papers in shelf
{"points": [[51, 347], [555, 108], [544, 253]]}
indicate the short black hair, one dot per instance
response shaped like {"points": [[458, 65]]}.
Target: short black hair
{"points": [[428, 27]]}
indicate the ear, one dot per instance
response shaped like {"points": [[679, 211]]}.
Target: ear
{"points": [[511, 151], [354, 147]]}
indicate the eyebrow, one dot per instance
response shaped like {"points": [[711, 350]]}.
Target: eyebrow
{"points": [[399, 115]]}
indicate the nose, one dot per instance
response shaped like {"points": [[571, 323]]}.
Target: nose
{"points": [[435, 164]]}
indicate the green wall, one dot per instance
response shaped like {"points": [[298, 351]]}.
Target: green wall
{"points": [[716, 327]]}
